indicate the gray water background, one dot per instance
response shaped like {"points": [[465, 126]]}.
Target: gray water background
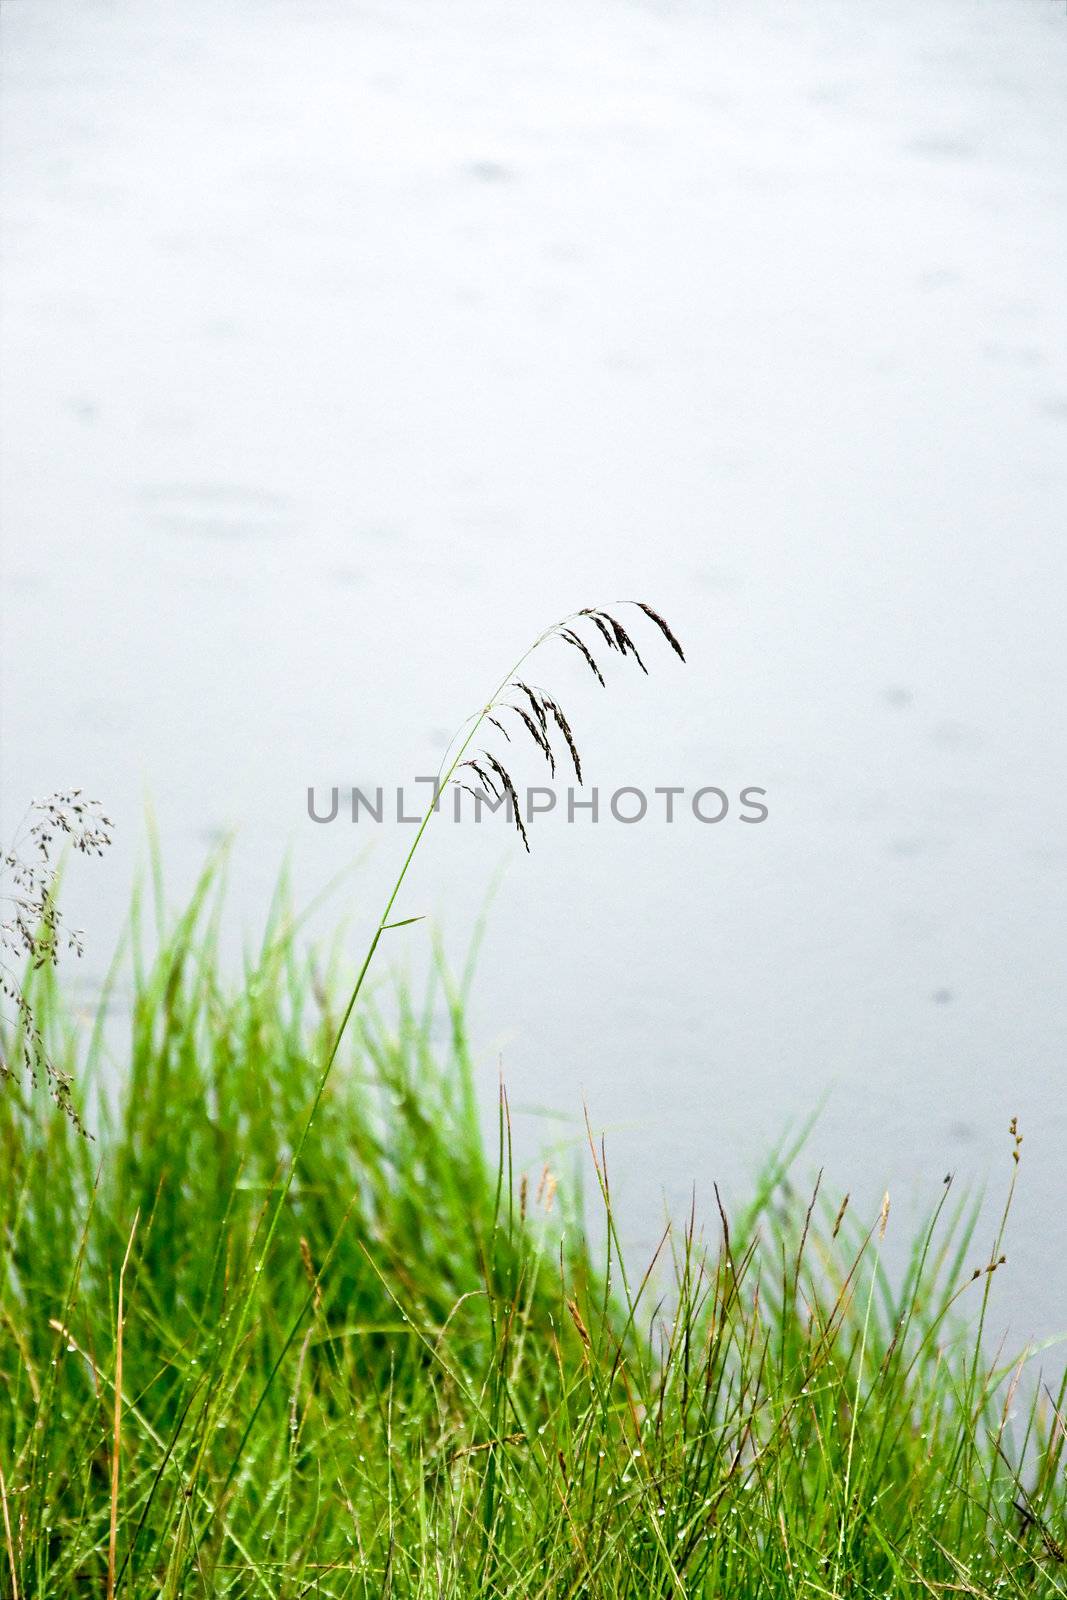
{"points": [[346, 345]]}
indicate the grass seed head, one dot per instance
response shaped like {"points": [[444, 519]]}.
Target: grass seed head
{"points": [[579, 644], [509, 790], [32, 929], [539, 737], [565, 729], [663, 627], [544, 717]]}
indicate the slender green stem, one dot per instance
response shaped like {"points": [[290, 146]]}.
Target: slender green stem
{"points": [[244, 1309]]}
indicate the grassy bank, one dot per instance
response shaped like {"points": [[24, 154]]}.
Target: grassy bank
{"points": [[423, 1380]]}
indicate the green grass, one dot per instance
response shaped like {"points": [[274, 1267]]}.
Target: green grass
{"points": [[416, 1376]]}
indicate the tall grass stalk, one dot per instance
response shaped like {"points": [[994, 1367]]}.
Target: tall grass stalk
{"points": [[503, 702]]}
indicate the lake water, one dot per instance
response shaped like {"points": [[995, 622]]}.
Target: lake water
{"points": [[347, 345]]}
